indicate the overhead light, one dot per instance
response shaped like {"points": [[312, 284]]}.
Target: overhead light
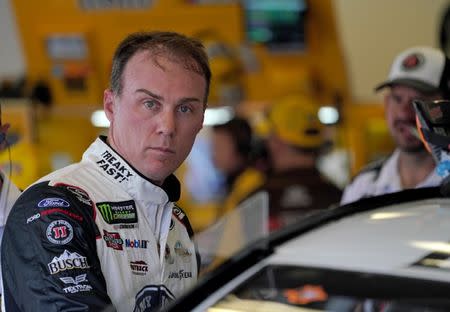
{"points": [[98, 119], [218, 115], [328, 115]]}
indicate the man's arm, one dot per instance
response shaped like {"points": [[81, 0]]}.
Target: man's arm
{"points": [[49, 258]]}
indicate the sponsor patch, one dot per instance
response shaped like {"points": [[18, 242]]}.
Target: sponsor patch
{"points": [[113, 240], [33, 217], [139, 267], [125, 226], [80, 194], [53, 202], [178, 213], [59, 210], [136, 243], [52, 211], [412, 61], [152, 297], [182, 251], [118, 212], [59, 232], [77, 282], [181, 274], [67, 261], [114, 167]]}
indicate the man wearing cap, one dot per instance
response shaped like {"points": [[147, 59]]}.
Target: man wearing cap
{"points": [[417, 73], [295, 186]]}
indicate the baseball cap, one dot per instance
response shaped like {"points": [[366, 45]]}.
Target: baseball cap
{"points": [[425, 69], [294, 119]]}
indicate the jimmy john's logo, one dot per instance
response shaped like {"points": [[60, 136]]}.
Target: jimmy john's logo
{"points": [[67, 261], [59, 232], [114, 167], [118, 212]]}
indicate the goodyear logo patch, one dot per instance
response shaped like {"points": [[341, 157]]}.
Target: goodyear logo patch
{"points": [[118, 212]]}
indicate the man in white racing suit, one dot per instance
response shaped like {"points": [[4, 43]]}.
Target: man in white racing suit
{"points": [[105, 233], [416, 73]]}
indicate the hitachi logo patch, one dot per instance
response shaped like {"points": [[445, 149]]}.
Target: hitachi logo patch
{"points": [[114, 167]]}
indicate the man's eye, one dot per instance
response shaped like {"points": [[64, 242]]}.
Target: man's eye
{"points": [[185, 109], [396, 98], [150, 103]]}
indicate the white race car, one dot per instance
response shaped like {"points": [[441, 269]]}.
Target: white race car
{"points": [[385, 253]]}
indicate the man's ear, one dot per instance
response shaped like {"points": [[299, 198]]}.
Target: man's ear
{"points": [[201, 124], [108, 104]]}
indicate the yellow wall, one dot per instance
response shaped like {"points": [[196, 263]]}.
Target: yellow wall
{"points": [[104, 29], [319, 70]]}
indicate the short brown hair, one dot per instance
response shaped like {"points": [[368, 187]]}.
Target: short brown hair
{"points": [[172, 45]]}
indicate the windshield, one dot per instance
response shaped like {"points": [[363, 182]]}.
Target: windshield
{"points": [[238, 229], [293, 288]]}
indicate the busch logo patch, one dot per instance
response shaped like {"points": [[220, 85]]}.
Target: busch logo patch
{"points": [[113, 240], [67, 261], [152, 297], [114, 167], [59, 232], [118, 212]]}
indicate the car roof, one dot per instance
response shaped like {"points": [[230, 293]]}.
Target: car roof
{"points": [[407, 239]]}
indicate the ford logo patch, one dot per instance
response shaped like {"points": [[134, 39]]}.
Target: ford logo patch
{"points": [[53, 202]]}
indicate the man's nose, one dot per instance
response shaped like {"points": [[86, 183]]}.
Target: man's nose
{"points": [[407, 109], [167, 125]]}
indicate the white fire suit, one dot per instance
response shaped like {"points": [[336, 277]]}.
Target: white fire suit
{"points": [[97, 235]]}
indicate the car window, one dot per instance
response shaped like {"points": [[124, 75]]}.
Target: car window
{"points": [[291, 288]]}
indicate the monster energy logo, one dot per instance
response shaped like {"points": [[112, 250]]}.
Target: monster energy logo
{"points": [[118, 212]]}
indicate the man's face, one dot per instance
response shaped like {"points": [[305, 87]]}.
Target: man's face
{"points": [[401, 118], [155, 120]]}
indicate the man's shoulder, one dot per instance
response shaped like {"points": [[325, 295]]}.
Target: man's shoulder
{"points": [[374, 166], [364, 181]]}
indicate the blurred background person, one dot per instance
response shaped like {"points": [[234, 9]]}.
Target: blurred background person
{"points": [[8, 190], [295, 143], [416, 73], [233, 155]]}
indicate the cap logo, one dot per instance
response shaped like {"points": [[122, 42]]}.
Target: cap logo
{"points": [[412, 61]]}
